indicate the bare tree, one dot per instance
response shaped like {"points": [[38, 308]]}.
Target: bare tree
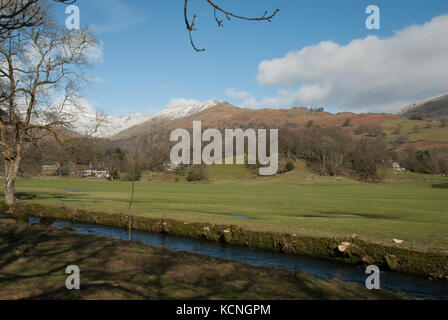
{"points": [[368, 155], [41, 68], [131, 199], [18, 14]]}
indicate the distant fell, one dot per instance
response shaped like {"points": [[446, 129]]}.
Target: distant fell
{"points": [[433, 108]]}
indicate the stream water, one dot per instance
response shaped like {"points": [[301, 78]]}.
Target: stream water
{"points": [[410, 285]]}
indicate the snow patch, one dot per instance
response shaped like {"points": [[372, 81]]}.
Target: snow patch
{"points": [[423, 102], [185, 110], [113, 125]]}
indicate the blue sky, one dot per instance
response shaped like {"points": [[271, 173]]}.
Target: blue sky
{"points": [[147, 58]]}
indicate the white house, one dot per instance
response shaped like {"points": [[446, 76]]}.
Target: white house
{"points": [[396, 166]]}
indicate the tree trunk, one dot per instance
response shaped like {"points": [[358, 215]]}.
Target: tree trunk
{"points": [[11, 170]]}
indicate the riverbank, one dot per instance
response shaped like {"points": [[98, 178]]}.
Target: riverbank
{"points": [[33, 261], [429, 264], [377, 212]]}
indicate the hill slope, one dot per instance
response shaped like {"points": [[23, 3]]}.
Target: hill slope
{"points": [[224, 115], [433, 108]]}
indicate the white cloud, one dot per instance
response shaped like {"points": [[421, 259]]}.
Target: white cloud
{"points": [[182, 101], [95, 52], [95, 79], [235, 94], [76, 106], [369, 74], [251, 103]]}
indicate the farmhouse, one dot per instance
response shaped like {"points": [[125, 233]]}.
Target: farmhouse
{"points": [[50, 170], [396, 166], [61, 168], [98, 172]]}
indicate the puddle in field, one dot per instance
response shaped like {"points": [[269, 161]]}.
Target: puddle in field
{"points": [[228, 215], [81, 199], [238, 217]]}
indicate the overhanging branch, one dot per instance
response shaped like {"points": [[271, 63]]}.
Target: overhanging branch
{"points": [[190, 24]]}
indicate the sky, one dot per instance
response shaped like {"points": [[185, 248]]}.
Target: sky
{"points": [[313, 53]]}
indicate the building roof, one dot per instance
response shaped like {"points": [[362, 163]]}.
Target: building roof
{"points": [[49, 167], [96, 169]]}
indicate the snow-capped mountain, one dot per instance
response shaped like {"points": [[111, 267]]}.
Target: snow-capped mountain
{"points": [[185, 110], [111, 125], [115, 124], [434, 107]]}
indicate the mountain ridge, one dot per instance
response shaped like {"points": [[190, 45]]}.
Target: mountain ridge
{"points": [[434, 108], [113, 125], [218, 114]]}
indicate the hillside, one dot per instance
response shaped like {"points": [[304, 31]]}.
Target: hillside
{"points": [[224, 115], [433, 108], [112, 125], [152, 138]]}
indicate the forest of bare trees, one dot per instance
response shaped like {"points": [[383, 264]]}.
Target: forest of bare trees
{"points": [[334, 151]]}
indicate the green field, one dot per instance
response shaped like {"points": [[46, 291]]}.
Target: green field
{"points": [[413, 208]]}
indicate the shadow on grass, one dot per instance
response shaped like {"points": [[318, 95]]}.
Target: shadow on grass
{"points": [[440, 186], [30, 255], [25, 195], [69, 196], [33, 261], [333, 214], [22, 195]]}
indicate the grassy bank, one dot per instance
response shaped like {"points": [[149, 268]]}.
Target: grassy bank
{"points": [[33, 261], [430, 264], [410, 209]]}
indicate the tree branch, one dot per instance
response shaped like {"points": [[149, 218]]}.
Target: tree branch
{"points": [[190, 24]]}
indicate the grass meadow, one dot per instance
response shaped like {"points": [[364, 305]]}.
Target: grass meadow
{"points": [[410, 207]]}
